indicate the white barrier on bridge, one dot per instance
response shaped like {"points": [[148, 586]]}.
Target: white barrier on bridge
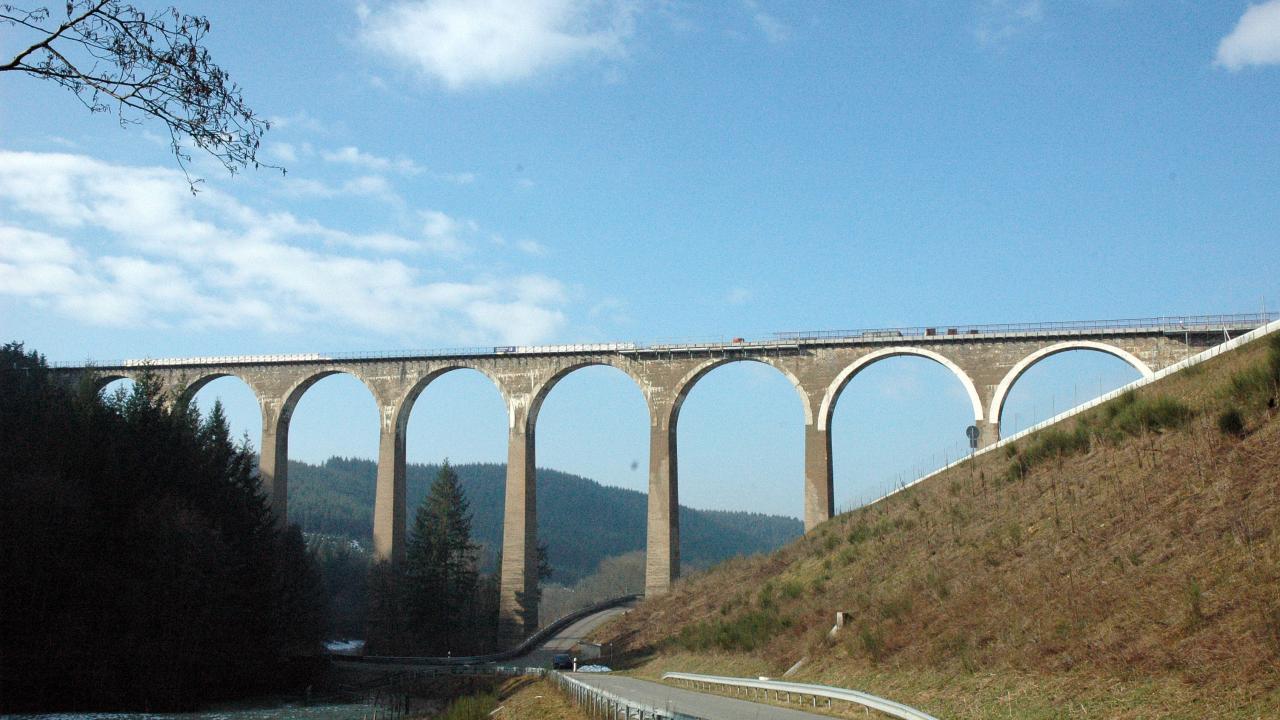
{"points": [[1209, 354], [781, 688]]}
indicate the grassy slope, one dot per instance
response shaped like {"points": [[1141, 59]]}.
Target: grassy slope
{"points": [[1137, 576]]}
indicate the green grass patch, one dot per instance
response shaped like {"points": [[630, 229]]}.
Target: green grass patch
{"points": [[746, 632]]}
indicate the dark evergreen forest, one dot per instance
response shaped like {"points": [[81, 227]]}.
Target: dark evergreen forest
{"points": [[140, 566]]}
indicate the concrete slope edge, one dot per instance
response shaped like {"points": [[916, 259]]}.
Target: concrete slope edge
{"points": [[1209, 354], [888, 707], [607, 704], [523, 648]]}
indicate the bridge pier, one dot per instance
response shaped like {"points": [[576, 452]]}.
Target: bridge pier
{"points": [[517, 606], [390, 501], [819, 490], [273, 458], [988, 432], [662, 549]]}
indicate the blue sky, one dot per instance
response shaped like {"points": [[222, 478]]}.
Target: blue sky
{"points": [[471, 174]]}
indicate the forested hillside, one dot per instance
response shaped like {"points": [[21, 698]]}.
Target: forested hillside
{"points": [[581, 521]]}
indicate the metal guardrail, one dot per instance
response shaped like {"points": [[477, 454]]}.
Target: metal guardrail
{"points": [[778, 341], [785, 690], [1178, 323], [526, 646], [604, 704]]}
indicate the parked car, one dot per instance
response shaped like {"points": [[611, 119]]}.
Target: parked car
{"points": [[562, 661]]}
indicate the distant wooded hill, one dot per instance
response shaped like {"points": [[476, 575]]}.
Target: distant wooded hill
{"points": [[582, 521]]}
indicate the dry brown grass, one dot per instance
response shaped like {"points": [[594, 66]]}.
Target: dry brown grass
{"points": [[535, 699], [1137, 578]]}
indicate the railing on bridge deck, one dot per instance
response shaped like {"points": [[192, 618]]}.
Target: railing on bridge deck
{"points": [[1172, 323], [779, 340]]}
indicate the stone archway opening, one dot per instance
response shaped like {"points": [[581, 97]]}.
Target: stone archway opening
{"points": [[740, 433], [333, 449], [1058, 382], [895, 419], [239, 405], [592, 425], [114, 388], [460, 414]]}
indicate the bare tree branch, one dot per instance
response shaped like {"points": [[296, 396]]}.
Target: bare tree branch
{"points": [[112, 55]]}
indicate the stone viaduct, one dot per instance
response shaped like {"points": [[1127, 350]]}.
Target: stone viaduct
{"points": [[986, 360]]}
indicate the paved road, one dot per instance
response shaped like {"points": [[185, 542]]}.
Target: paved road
{"points": [[712, 707], [566, 638]]}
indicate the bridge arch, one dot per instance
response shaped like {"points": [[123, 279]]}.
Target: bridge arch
{"points": [[1006, 384], [837, 386], [404, 405], [299, 387], [193, 387], [540, 395], [102, 380], [692, 377]]}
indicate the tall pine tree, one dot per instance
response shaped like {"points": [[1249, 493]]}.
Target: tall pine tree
{"points": [[440, 576]]}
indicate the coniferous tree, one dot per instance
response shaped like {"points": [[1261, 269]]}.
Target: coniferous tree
{"points": [[440, 569], [140, 566]]}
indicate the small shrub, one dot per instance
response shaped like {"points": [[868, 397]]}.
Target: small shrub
{"points": [[871, 642], [896, 607], [1195, 603], [792, 589], [937, 584], [1150, 415], [1253, 385], [859, 533], [1231, 422], [747, 632], [847, 556], [766, 596], [831, 541]]}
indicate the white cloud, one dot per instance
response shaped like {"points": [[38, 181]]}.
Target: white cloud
{"points": [[284, 152], [298, 121], [774, 30], [464, 178], [351, 155], [1255, 39], [738, 296], [531, 247], [493, 42], [1000, 20], [443, 234], [118, 245]]}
